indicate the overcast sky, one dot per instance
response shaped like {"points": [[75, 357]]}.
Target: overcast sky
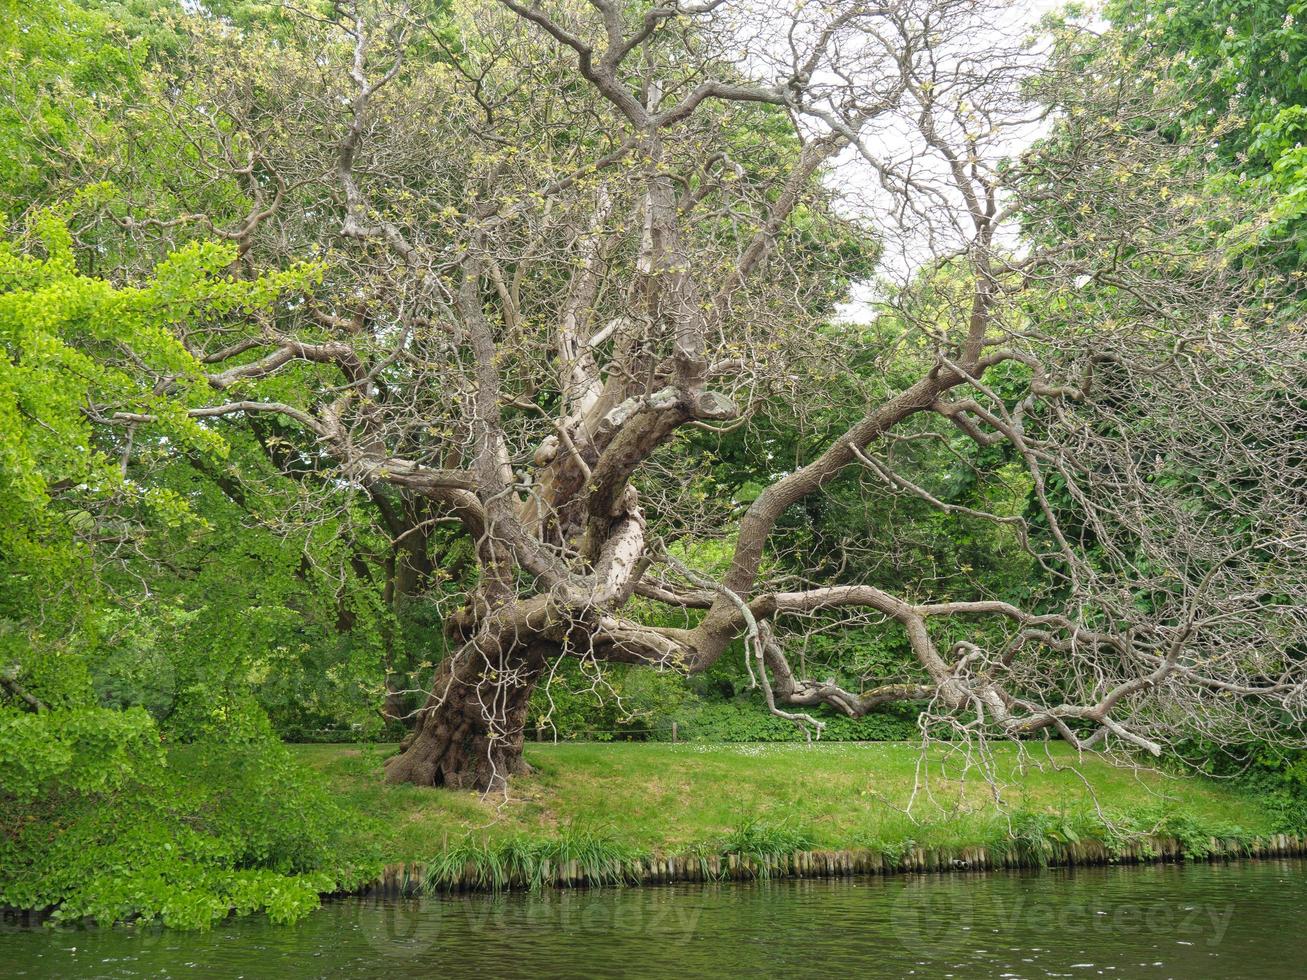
{"points": [[907, 245]]}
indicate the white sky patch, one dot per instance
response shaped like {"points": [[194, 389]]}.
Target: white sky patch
{"points": [[912, 240]]}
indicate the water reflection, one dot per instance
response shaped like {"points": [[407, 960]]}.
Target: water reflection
{"points": [[1240, 920]]}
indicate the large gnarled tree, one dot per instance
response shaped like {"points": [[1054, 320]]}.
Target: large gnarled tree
{"points": [[560, 240]]}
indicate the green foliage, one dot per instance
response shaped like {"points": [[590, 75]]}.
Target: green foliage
{"points": [[97, 821], [583, 701], [747, 720], [1250, 51], [1275, 776], [1244, 58], [61, 70], [73, 347], [80, 750], [100, 824]]}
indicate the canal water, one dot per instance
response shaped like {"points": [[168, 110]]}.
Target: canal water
{"points": [[1245, 919]]}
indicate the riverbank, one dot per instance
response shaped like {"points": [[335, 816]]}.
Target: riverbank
{"points": [[646, 812]]}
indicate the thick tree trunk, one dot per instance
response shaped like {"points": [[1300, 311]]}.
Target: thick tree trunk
{"points": [[469, 734]]}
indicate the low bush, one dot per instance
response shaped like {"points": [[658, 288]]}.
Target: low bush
{"points": [[97, 823], [747, 720]]}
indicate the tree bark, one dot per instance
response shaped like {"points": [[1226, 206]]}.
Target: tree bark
{"points": [[469, 735]]}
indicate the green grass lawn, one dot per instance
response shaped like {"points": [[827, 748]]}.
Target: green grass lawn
{"points": [[665, 798]]}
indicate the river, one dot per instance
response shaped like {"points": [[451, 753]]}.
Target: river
{"points": [[1185, 921]]}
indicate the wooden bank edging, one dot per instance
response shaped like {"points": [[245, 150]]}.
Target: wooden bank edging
{"points": [[410, 878]]}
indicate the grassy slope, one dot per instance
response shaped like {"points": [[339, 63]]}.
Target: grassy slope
{"points": [[664, 797]]}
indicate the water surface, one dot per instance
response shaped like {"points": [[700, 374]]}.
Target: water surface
{"points": [[1183, 921]]}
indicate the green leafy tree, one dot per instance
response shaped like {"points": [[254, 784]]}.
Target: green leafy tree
{"points": [[97, 820], [1246, 63]]}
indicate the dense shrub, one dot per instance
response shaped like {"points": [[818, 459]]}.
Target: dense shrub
{"points": [[96, 821], [747, 720], [1276, 776]]}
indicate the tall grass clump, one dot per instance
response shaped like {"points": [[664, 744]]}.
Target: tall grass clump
{"points": [[520, 861], [753, 840], [1035, 837], [600, 857]]}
